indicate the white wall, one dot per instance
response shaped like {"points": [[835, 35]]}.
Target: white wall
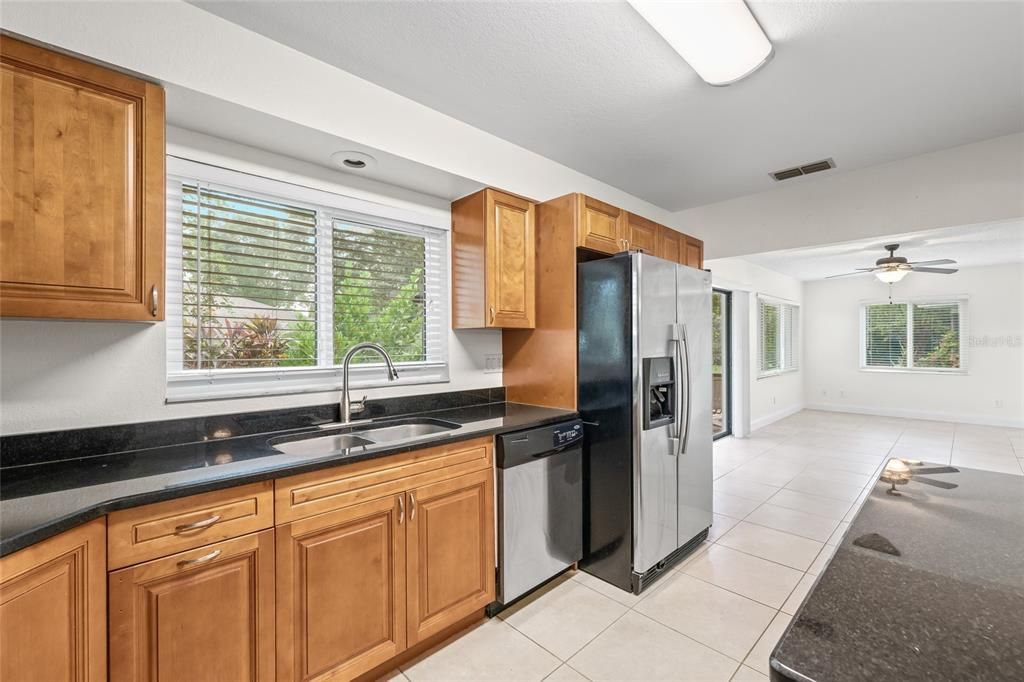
{"points": [[995, 309], [758, 401], [971, 184], [70, 374]]}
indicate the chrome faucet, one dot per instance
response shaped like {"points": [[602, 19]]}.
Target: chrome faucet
{"points": [[347, 407]]}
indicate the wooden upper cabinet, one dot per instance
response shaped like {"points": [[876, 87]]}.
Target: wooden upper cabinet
{"points": [[493, 261], [600, 226], [672, 245], [53, 621], [205, 614], [694, 252], [82, 173], [341, 593], [643, 234], [451, 552]]}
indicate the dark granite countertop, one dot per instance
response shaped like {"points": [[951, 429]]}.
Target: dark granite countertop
{"points": [[949, 606], [38, 500]]}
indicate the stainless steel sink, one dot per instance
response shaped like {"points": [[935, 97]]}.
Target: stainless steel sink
{"points": [[321, 445], [359, 437], [391, 434]]}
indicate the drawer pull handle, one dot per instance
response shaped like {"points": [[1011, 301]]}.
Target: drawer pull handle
{"points": [[198, 525], [412, 506], [199, 560], [401, 509]]}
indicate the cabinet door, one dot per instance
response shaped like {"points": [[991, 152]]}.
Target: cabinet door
{"points": [[451, 552], [643, 235], [82, 216], [202, 615], [510, 261], [341, 591], [600, 226], [53, 623], [694, 256], [672, 245]]}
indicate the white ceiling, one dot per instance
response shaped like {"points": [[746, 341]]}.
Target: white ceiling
{"points": [[591, 85], [969, 246]]}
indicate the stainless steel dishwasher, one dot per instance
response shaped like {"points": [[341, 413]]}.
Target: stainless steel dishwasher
{"points": [[540, 506]]}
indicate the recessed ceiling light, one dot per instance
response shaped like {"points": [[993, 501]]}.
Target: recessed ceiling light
{"points": [[721, 40], [353, 160]]}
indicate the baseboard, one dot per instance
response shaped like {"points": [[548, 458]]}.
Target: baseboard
{"points": [[764, 421], [983, 420]]}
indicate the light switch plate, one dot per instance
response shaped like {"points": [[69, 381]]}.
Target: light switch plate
{"points": [[492, 363]]}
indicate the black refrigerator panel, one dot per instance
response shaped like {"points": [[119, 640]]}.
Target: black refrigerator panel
{"points": [[606, 370]]}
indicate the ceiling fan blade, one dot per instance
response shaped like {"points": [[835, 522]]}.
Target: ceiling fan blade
{"points": [[941, 261], [934, 470], [937, 484], [939, 271], [859, 271]]}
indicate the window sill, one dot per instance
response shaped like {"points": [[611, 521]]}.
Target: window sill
{"points": [[198, 386], [780, 372], [912, 370]]}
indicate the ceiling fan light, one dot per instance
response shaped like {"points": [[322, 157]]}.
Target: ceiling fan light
{"points": [[721, 40], [891, 275]]}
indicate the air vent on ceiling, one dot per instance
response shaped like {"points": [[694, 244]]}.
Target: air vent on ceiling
{"points": [[806, 169]]}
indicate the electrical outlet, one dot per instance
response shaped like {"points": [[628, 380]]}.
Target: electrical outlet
{"points": [[999, 403], [492, 363]]}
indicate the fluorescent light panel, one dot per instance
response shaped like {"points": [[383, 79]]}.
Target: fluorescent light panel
{"points": [[721, 40]]}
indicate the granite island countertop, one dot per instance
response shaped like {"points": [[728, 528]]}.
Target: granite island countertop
{"points": [[948, 606], [39, 500]]}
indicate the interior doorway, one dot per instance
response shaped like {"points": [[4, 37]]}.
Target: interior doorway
{"points": [[721, 374]]}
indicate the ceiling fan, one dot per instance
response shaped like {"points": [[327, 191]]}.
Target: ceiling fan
{"points": [[893, 268]]}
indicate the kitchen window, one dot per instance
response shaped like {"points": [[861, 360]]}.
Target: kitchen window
{"points": [[912, 336], [778, 333], [270, 283]]}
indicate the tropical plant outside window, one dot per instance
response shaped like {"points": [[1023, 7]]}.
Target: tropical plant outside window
{"points": [[921, 335], [271, 284]]}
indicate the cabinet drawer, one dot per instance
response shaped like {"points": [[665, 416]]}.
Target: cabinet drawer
{"points": [[304, 495], [156, 530]]}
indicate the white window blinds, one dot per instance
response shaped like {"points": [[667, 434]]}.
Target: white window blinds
{"points": [[778, 333], [270, 284], [248, 270], [912, 335]]}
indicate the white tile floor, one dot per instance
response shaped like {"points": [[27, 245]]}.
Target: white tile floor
{"points": [[783, 499]]}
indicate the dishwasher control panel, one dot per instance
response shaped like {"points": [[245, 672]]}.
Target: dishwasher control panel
{"points": [[566, 434]]}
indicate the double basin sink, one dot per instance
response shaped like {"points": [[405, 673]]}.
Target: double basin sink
{"points": [[358, 437]]}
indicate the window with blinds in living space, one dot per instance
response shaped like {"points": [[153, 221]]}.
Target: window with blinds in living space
{"points": [[778, 333], [912, 335], [269, 286]]}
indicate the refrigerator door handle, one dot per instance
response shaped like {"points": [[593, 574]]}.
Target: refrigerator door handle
{"points": [[683, 391]]}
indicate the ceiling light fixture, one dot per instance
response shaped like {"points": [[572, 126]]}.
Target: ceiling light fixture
{"points": [[352, 160], [892, 274], [721, 40]]}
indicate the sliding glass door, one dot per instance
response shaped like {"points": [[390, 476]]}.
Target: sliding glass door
{"points": [[721, 333]]}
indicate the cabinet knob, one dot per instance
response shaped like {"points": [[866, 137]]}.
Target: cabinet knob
{"points": [[154, 301]]}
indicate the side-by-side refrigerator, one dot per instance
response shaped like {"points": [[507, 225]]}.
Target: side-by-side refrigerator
{"points": [[645, 396]]}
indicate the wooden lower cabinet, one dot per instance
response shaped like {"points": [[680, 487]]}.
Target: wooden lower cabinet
{"points": [[341, 591], [53, 624], [202, 615], [451, 552]]}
